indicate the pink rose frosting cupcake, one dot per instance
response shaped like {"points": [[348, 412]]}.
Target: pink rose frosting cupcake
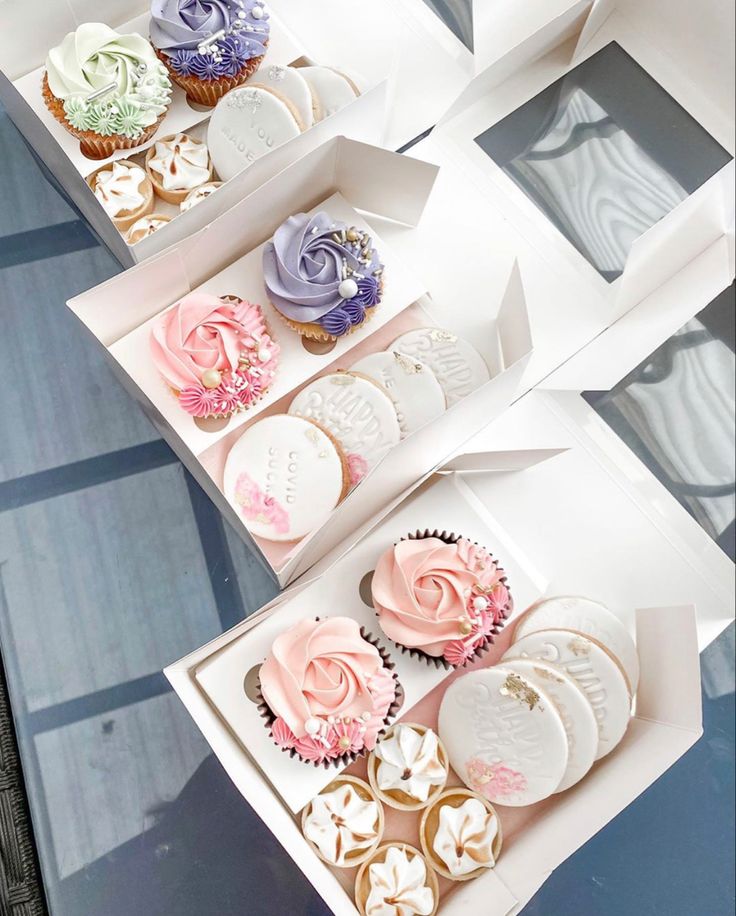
{"points": [[440, 597], [328, 691], [216, 354]]}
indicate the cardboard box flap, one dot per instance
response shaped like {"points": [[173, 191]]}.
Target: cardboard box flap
{"points": [[669, 688], [514, 327], [599, 11], [385, 187], [684, 233], [487, 462], [165, 278], [630, 340]]}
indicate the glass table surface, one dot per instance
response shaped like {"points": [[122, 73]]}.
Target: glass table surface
{"points": [[113, 564]]}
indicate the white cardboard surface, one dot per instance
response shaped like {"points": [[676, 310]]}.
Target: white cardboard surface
{"points": [[446, 506]]}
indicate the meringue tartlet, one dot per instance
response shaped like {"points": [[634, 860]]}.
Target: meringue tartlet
{"points": [[461, 835], [396, 881], [124, 191], [344, 823], [408, 768], [177, 165]]}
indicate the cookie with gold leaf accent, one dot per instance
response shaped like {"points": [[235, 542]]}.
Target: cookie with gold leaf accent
{"points": [[504, 736], [596, 670], [284, 476], [459, 367], [412, 386], [358, 413]]}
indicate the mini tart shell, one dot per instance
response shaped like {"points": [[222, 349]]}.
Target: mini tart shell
{"points": [[209, 92], [363, 878], [208, 184], [178, 195], [220, 416], [314, 331], [367, 794], [92, 144], [395, 798], [439, 660], [430, 822], [126, 218], [269, 717], [130, 234]]}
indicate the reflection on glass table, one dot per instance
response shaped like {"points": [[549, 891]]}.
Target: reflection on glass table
{"points": [[676, 412], [113, 564], [605, 153], [457, 15]]}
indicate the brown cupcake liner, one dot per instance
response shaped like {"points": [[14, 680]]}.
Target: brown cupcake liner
{"points": [[269, 716], [94, 145], [209, 92], [438, 660]]}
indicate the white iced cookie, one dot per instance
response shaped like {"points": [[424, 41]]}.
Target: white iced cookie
{"points": [[590, 618], [575, 711], [357, 412], [180, 163], [411, 385], [246, 124], [198, 195], [398, 886], [458, 366], [594, 669], [342, 824], [283, 477], [120, 188], [465, 837], [289, 83], [144, 227], [504, 736], [331, 89], [409, 762]]}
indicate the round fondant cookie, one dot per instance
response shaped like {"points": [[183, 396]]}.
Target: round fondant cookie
{"points": [[590, 618], [504, 736], [411, 385], [576, 712], [289, 83], [283, 476], [359, 414], [246, 124], [331, 89], [459, 367], [595, 670]]}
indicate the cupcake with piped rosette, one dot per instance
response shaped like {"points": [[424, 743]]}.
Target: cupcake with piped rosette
{"points": [[108, 90], [328, 691], [440, 597], [323, 277], [215, 354], [210, 46]]}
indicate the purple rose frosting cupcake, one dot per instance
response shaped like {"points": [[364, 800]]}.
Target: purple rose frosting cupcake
{"points": [[323, 277], [210, 46]]}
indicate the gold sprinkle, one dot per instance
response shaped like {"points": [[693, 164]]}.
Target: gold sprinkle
{"points": [[579, 646], [515, 687], [342, 379], [438, 335], [548, 675], [408, 365]]}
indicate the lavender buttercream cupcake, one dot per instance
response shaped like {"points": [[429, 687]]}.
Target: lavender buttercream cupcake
{"points": [[210, 46], [323, 277]]}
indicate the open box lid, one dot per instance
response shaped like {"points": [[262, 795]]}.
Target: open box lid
{"points": [[500, 102]]}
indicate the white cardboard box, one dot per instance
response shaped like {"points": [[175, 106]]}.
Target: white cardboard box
{"points": [[369, 179], [32, 27], [573, 303], [668, 717]]}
